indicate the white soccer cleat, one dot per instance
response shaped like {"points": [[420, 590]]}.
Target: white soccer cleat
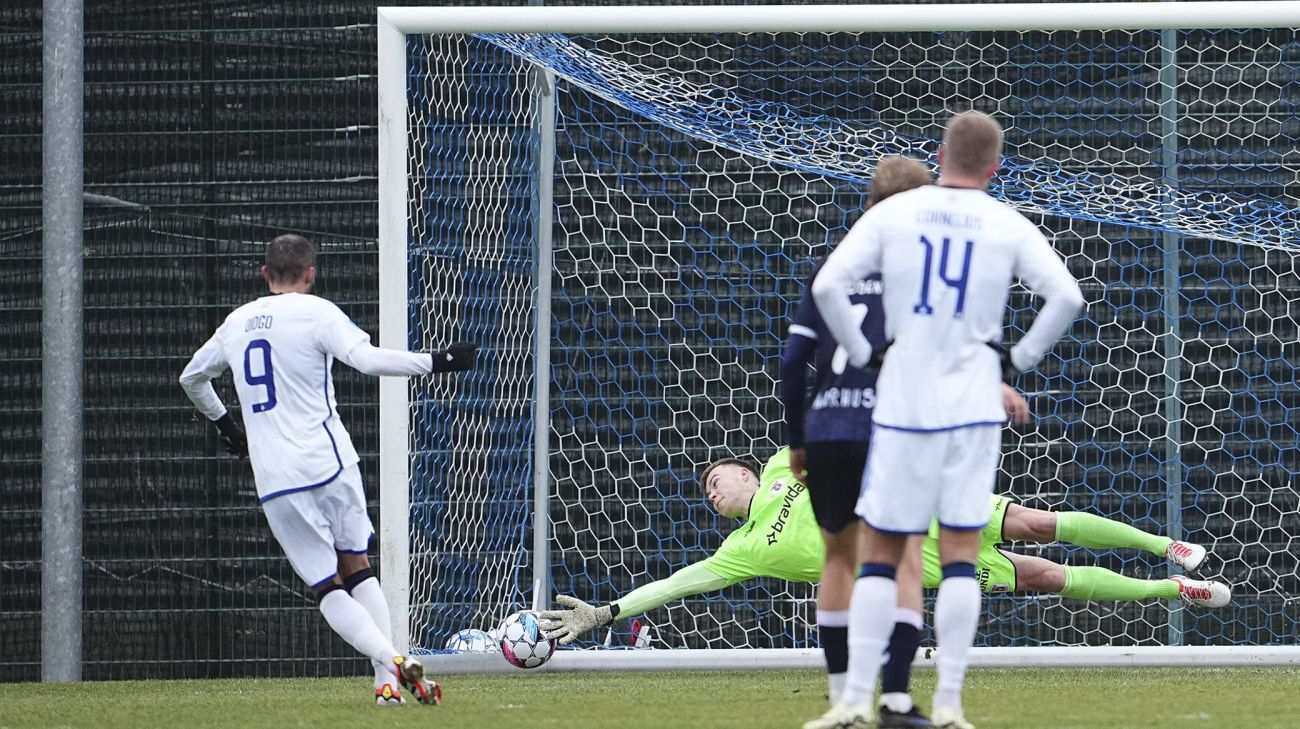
{"points": [[1185, 554], [1202, 593], [948, 718], [843, 716], [386, 695]]}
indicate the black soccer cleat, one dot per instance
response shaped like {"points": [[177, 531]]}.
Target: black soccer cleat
{"points": [[911, 718]]}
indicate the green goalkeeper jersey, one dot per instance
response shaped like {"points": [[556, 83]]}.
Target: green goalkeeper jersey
{"points": [[780, 539]]}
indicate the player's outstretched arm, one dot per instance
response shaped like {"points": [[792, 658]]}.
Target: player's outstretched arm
{"points": [[580, 618], [370, 360], [339, 336]]}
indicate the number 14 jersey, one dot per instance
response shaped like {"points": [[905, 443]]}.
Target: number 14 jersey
{"points": [[281, 348], [946, 257]]}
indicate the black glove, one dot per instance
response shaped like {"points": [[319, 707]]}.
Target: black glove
{"points": [[232, 436], [1009, 370], [456, 358]]}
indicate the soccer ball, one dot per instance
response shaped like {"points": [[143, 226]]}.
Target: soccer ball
{"points": [[471, 641], [521, 640]]}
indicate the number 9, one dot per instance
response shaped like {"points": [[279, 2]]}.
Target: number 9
{"points": [[266, 379]]}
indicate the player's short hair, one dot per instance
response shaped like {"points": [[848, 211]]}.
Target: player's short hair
{"points": [[972, 143], [704, 477], [897, 174], [288, 257]]}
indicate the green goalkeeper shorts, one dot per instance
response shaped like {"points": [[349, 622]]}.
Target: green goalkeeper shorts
{"points": [[995, 571]]}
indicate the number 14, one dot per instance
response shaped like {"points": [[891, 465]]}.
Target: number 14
{"points": [[923, 306]]}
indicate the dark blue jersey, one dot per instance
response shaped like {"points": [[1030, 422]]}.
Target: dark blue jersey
{"points": [[843, 396]]}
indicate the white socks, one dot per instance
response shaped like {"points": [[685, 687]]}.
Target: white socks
{"points": [[956, 617], [870, 624], [371, 597], [353, 623]]}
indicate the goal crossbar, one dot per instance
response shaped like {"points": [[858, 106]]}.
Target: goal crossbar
{"points": [[845, 18]]}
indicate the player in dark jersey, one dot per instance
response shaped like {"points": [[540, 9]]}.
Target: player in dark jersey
{"points": [[829, 451]]}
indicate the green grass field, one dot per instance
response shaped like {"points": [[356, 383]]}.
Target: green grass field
{"points": [[995, 698]]}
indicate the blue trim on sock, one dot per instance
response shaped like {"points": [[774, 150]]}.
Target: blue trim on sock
{"points": [[875, 569], [959, 569]]}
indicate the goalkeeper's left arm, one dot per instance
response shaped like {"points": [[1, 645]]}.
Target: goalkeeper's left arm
{"points": [[568, 625]]}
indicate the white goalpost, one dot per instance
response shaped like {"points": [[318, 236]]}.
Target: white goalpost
{"points": [[620, 204]]}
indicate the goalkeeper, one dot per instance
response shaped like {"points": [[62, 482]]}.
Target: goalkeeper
{"points": [[780, 538]]}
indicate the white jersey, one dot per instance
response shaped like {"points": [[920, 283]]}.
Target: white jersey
{"points": [[946, 258], [280, 348]]}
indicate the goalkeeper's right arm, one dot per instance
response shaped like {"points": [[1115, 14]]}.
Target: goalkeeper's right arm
{"points": [[568, 625]]}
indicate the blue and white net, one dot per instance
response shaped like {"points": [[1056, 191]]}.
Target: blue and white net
{"points": [[697, 176]]}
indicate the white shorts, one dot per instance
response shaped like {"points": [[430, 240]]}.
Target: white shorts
{"points": [[312, 526], [913, 477]]}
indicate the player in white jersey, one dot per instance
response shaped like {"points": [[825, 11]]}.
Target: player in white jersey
{"points": [[947, 255], [281, 348]]}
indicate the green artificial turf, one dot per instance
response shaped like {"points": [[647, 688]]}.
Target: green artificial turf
{"points": [[995, 698]]}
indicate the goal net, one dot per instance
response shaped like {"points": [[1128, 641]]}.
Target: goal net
{"points": [[624, 221]]}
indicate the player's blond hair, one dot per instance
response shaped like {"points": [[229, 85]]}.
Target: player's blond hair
{"points": [[897, 174], [972, 143]]}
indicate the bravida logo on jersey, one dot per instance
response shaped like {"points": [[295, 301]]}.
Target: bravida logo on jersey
{"points": [[778, 526]]}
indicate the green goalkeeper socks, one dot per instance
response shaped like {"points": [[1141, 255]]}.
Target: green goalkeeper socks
{"points": [[1099, 583], [1089, 530]]}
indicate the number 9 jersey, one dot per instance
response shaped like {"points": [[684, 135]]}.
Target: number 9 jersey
{"points": [[281, 348]]}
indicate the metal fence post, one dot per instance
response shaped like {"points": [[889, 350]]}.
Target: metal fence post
{"points": [[61, 337]]}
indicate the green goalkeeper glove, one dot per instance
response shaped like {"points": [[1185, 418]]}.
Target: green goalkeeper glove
{"points": [[567, 626]]}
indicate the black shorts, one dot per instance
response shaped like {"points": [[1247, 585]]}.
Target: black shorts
{"points": [[835, 481]]}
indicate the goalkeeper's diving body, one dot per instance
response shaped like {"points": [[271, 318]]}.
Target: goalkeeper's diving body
{"points": [[281, 348], [780, 538]]}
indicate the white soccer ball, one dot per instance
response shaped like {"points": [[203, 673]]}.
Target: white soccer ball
{"points": [[521, 640], [471, 641]]}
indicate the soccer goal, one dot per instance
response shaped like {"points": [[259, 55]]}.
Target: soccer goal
{"points": [[620, 204]]}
